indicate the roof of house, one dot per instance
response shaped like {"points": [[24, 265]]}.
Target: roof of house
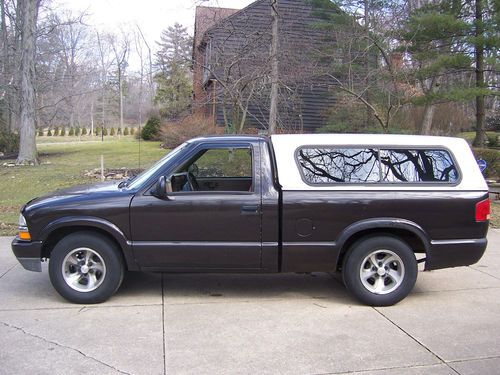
{"points": [[206, 17]]}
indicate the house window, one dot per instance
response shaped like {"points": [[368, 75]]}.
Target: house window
{"points": [[207, 61]]}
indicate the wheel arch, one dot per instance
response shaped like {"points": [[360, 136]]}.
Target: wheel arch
{"points": [[60, 228], [405, 230]]}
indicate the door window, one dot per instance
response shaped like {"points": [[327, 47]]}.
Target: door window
{"points": [[216, 169]]}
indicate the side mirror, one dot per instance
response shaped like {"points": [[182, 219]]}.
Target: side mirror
{"points": [[162, 188]]}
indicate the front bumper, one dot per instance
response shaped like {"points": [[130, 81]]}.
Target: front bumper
{"points": [[28, 254]]}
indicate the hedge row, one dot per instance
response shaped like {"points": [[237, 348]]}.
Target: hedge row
{"points": [[56, 132], [492, 158]]}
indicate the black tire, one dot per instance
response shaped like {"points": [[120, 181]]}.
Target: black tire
{"points": [[380, 270], [91, 252]]}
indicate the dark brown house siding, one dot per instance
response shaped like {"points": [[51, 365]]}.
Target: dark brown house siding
{"points": [[241, 42], [205, 18]]}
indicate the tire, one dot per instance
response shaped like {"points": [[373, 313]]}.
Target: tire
{"points": [[86, 267], [380, 270]]}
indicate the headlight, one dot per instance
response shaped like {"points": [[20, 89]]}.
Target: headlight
{"points": [[22, 221], [24, 233]]}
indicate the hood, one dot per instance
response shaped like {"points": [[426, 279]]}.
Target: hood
{"points": [[78, 193], [101, 187]]}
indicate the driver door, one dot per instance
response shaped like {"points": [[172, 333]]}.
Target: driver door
{"points": [[211, 221]]}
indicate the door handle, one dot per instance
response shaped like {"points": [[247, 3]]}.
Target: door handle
{"points": [[251, 209]]}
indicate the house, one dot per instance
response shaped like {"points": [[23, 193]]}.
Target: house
{"points": [[231, 66]]}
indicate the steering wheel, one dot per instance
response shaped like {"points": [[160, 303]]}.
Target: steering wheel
{"points": [[193, 168], [193, 184]]}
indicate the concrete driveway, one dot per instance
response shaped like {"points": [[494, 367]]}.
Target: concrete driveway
{"points": [[252, 324]]}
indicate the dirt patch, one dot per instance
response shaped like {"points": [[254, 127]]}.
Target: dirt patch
{"points": [[112, 174], [9, 209]]}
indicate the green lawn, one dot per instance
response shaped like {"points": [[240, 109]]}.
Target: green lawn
{"points": [[63, 164], [469, 136]]}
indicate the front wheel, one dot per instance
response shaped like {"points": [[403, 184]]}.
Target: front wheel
{"points": [[85, 267], [380, 270]]}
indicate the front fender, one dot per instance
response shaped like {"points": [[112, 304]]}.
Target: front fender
{"points": [[93, 222]]}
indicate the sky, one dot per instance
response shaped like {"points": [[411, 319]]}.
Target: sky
{"points": [[152, 16]]}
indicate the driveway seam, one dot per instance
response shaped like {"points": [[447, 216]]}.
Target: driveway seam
{"points": [[377, 369], [86, 307], [473, 359], [454, 290], [417, 341], [6, 272], [63, 346], [163, 325], [484, 273]]}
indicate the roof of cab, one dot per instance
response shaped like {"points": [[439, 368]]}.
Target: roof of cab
{"points": [[228, 137]]}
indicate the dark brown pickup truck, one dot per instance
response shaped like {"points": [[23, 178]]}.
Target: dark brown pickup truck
{"points": [[369, 206]]}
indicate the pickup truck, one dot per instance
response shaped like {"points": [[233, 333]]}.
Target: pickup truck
{"points": [[369, 206]]}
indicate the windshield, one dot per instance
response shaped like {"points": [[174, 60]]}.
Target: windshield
{"points": [[142, 177]]}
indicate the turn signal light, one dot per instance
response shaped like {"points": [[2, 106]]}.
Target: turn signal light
{"points": [[483, 210], [24, 235]]}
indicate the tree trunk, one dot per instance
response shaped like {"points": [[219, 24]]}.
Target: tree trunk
{"points": [[5, 57], [120, 83], [11, 63], [369, 113], [427, 118], [103, 81], [27, 148], [273, 108], [92, 118], [480, 135]]}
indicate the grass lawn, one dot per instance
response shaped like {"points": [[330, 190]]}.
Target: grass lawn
{"points": [[63, 164], [469, 136], [495, 214]]}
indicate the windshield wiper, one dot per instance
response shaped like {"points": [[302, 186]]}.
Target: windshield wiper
{"points": [[125, 182]]}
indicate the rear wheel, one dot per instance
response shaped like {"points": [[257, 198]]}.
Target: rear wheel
{"points": [[86, 267], [380, 270]]}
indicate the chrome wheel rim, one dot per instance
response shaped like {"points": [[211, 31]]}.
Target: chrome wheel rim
{"points": [[83, 269], [382, 272]]}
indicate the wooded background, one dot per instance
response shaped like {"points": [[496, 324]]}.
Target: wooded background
{"points": [[420, 66]]}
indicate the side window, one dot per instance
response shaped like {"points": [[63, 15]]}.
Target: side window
{"points": [[216, 169], [225, 162], [418, 166], [339, 165]]}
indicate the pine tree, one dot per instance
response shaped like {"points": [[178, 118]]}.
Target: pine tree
{"points": [[446, 44], [172, 61]]}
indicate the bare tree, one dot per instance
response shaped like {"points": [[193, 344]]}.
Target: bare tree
{"points": [[28, 10], [10, 73], [144, 74], [121, 49], [273, 111], [105, 65]]}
